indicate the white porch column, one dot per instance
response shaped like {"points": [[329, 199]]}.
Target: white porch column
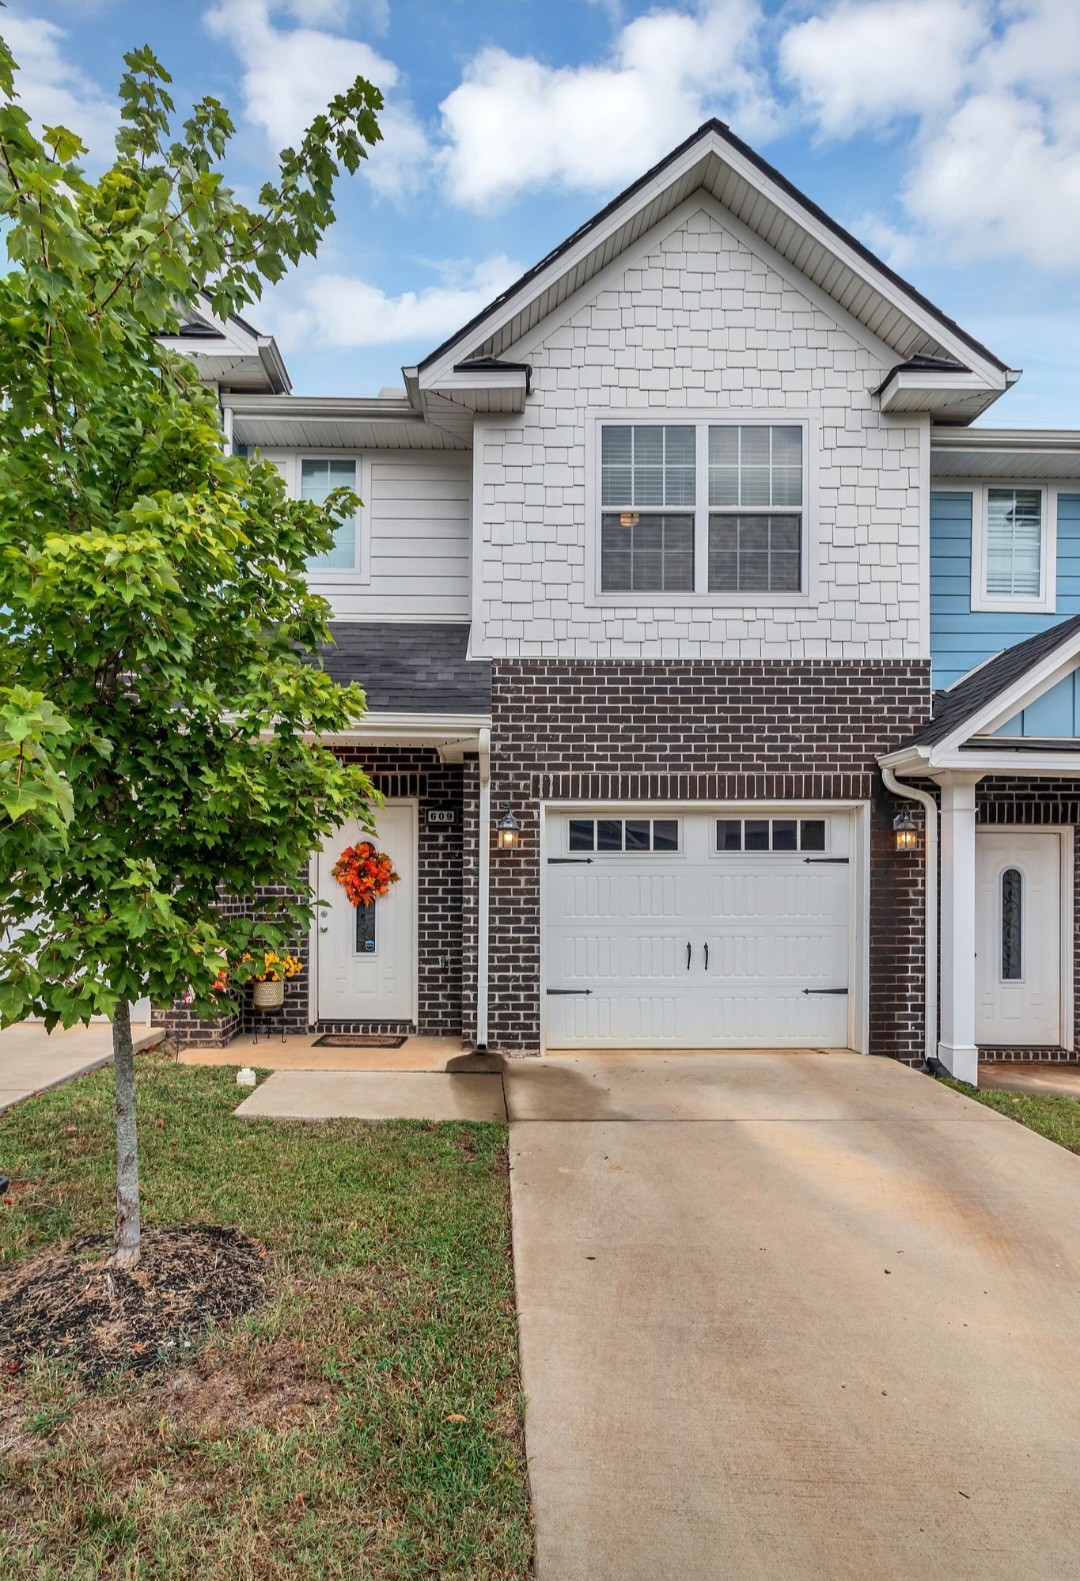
{"points": [[956, 1048]]}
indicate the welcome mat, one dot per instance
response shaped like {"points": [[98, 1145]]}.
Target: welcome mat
{"points": [[358, 1040]]}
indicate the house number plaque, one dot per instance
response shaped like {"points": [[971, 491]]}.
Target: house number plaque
{"points": [[442, 817]]}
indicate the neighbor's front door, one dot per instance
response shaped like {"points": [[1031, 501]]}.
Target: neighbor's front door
{"points": [[1018, 938], [366, 955]]}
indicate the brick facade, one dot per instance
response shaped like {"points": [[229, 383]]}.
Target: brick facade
{"points": [[703, 730], [397, 773]]}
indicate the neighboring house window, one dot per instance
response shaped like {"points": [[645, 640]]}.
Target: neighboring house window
{"points": [[319, 476], [1012, 561], [702, 507]]}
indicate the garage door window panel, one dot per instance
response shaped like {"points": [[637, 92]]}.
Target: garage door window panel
{"points": [[770, 834], [623, 836]]}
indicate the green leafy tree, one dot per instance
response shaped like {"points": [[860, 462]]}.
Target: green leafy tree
{"points": [[158, 724]]}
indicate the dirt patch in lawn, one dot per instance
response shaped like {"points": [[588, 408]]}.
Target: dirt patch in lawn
{"points": [[64, 1305], [225, 1392]]}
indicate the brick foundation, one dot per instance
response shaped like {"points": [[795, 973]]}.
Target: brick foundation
{"points": [[738, 730]]}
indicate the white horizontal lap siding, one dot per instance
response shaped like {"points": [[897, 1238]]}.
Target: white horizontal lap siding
{"points": [[701, 323], [418, 515], [415, 535]]}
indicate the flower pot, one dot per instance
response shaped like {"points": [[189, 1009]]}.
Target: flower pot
{"points": [[268, 996]]}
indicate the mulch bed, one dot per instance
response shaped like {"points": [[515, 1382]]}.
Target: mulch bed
{"points": [[64, 1304]]}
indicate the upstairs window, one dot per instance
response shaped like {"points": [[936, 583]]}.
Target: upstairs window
{"points": [[1012, 558], [647, 500], [1013, 543], [703, 508], [319, 477]]}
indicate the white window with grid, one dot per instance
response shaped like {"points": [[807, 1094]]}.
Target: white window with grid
{"points": [[319, 477], [707, 510], [1012, 549]]}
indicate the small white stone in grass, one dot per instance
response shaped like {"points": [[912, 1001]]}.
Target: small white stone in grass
{"points": [[245, 1077]]}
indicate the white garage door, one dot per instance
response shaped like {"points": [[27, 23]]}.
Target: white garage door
{"points": [[697, 930]]}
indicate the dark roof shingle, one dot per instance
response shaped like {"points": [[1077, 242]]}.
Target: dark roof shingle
{"points": [[965, 699], [410, 668]]}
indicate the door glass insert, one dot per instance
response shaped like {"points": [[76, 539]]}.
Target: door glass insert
{"points": [[365, 928], [1012, 921]]}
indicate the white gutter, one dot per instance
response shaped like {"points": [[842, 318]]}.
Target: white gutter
{"points": [[930, 991], [483, 890]]}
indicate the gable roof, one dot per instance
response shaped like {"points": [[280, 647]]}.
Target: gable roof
{"points": [[230, 353], [969, 697], [715, 160]]}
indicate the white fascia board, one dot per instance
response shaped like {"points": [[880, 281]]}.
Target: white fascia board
{"points": [[325, 408], [1065, 765], [997, 710], [1017, 441], [904, 382], [812, 227], [425, 728]]}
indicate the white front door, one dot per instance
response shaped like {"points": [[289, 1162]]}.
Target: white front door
{"points": [[366, 955], [1018, 938], [698, 929]]}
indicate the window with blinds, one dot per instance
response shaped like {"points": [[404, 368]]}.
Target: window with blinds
{"points": [[319, 477], [647, 484], [1014, 543], [702, 508]]}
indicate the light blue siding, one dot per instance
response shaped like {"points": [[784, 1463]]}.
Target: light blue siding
{"points": [[1055, 713], [960, 637]]}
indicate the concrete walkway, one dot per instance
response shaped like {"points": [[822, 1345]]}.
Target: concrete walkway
{"points": [[32, 1060], [792, 1318], [1058, 1080]]}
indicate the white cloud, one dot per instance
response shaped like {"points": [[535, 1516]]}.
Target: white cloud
{"points": [[316, 308], [862, 65], [998, 181], [515, 123], [290, 73], [994, 90], [54, 91]]}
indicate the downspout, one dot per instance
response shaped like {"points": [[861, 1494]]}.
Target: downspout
{"points": [[907, 793], [483, 890], [227, 428]]}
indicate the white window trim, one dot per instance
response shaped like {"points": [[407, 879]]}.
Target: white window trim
{"points": [[359, 573], [702, 419], [981, 600]]}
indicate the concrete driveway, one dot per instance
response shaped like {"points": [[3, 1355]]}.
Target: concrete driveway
{"points": [[792, 1316]]}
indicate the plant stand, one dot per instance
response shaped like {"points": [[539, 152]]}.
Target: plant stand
{"points": [[262, 1023]]}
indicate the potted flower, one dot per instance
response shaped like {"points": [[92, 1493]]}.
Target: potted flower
{"points": [[364, 873], [268, 990]]}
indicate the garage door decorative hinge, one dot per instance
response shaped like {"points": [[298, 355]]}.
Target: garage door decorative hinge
{"points": [[566, 861], [837, 861], [565, 991], [824, 990]]}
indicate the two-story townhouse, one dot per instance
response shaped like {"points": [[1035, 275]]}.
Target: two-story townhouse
{"points": [[655, 559]]}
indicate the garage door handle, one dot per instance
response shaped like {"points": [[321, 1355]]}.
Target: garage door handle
{"points": [[565, 991], [706, 955], [689, 953], [824, 990]]}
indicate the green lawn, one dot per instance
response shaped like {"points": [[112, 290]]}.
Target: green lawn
{"points": [[364, 1422], [1057, 1118]]}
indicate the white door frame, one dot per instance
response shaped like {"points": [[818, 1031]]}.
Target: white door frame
{"points": [[313, 930], [859, 880], [1066, 836]]}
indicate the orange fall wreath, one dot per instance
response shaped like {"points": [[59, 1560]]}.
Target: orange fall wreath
{"points": [[364, 873]]}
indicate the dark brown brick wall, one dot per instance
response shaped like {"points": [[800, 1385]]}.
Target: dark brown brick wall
{"points": [[396, 773], [703, 730]]}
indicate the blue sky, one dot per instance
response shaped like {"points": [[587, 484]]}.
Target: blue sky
{"points": [[945, 133]]}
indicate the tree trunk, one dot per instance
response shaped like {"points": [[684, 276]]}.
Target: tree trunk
{"points": [[126, 1240]]}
